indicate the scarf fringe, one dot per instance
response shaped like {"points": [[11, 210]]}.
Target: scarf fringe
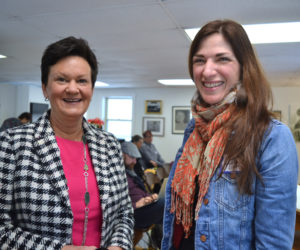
{"points": [[183, 213]]}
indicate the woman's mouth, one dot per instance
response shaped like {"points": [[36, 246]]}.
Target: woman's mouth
{"points": [[212, 84], [72, 100]]}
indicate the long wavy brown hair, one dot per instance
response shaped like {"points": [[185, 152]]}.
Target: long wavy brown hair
{"points": [[251, 116]]}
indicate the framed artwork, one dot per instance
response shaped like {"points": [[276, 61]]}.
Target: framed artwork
{"points": [[37, 109], [153, 106], [181, 116], [155, 124]]}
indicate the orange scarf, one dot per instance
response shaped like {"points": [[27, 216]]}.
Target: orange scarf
{"points": [[201, 156]]}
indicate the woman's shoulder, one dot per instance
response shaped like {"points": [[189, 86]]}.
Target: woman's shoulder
{"points": [[278, 136], [26, 129], [17, 137], [109, 138], [101, 137], [278, 129]]}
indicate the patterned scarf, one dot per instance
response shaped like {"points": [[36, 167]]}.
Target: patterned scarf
{"points": [[201, 156]]}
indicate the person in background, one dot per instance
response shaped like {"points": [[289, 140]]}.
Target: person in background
{"points": [[148, 208], [234, 180], [139, 167], [150, 155], [137, 140], [63, 183], [25, 117], [12, 122]]}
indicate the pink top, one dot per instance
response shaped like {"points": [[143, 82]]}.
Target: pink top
{"points": [[72, 155]]}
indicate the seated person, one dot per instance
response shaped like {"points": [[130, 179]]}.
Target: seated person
{"points": [[137, 140], [139, 167], [150, 155], [25, 117], [15, 122], [148, 208]]}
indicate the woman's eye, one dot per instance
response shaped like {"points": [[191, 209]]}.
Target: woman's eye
{"points": [[224, 59], [82, 81], [60, 79], [199, 60]]}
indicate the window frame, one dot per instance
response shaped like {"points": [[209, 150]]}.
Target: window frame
{"points": [[106, 119]]}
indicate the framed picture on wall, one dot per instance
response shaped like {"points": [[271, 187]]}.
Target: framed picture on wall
{"points": [[155, 124], [181, 116], [153, 106]]}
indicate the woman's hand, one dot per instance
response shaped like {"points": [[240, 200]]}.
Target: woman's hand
{"points": [[154, 197], [141, 202], [146, 200], [72, 247], [154, 164]]}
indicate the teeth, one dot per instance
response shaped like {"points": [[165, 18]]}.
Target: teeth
{"points": [[212, 84], [72, 100]]}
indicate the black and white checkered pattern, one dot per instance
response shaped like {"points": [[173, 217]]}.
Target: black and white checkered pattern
{"points": [[35, 210]]}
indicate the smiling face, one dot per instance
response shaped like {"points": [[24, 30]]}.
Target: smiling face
{"points": [[69, 88], [215, 69]]}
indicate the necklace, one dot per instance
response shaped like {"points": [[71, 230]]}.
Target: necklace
{"points": [[87, 194]]}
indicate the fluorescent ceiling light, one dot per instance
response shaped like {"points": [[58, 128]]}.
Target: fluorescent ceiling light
{"points": [[99, 84], [266, 33], [176, 82], [2, 56]]}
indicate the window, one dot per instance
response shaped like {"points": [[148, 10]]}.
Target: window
{"points": [[119, 117]]}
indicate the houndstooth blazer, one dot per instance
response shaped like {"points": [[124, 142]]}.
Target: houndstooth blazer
{"points": [[35, 210]]}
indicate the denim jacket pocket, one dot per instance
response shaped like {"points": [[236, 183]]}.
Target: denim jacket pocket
{"points": [[202, 240], [227, 194]]}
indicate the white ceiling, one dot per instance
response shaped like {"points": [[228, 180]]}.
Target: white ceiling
{"points": [[136, 42]]}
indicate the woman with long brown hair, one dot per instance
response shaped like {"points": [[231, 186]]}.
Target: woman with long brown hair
{"points": [[233, 182]]}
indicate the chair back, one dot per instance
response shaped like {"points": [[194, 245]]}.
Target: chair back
{"points": [[161, 173]]}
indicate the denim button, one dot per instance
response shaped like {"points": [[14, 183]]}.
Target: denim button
{"points": [[205, 201], [203, 238]]}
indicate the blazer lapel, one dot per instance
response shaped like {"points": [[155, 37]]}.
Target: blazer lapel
{"points": [[100, 160], [46, 147]]}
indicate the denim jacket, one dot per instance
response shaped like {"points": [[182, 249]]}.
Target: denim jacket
{"points": [[264, 220]]}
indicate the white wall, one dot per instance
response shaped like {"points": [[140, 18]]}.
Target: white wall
{"points": [[169, 143], [15, 100], [8, 101], [22, 101], [286, 99], [36, 94]]}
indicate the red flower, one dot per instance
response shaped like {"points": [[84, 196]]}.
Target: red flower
{"points": [[96, 122]]}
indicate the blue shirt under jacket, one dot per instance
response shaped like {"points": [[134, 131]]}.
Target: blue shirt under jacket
{"points": [[264, 220]]}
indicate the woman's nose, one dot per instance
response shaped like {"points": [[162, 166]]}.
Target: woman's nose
{"points": [[72, 87], [209, 69]]}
